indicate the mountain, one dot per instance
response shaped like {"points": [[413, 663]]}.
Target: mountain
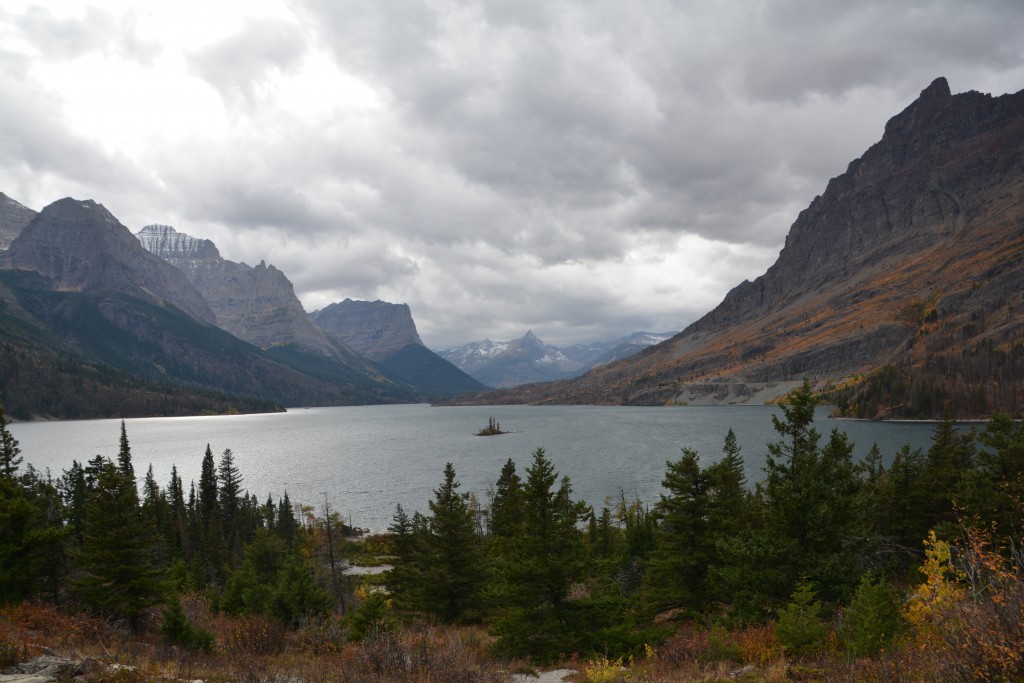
{"points": [[386, 333], [256, 304], [899, 289], [79, 246], [13, 219], [373, 328], [528, 359], [93, 325]]}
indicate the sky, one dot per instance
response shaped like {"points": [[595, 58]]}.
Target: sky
{"points": [[583, 168]]}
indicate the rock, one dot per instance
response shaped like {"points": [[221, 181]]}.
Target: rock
{"points": [[49, 669], [375, 329], [79, 246], [13, 219], [257, 305]]}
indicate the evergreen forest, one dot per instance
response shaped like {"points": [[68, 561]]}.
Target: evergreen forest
{"points": [[825, 569]]}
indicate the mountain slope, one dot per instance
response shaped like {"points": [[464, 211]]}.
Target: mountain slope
{"points": [[95, 325], [902, 282], [257, 305], [13, 219], [80, 246], [386, 333]]}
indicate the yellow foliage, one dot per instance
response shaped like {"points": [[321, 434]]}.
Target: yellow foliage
{"points": [[942, 590]]}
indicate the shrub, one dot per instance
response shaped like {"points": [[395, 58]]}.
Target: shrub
{"points": [[799, 627], [872, 619], [372, 618], [178, 630]]}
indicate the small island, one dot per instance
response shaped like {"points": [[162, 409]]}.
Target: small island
{"points": [[493, 428]]}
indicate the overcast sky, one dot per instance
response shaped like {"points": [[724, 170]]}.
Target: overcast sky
{"points": [[581, 168]]}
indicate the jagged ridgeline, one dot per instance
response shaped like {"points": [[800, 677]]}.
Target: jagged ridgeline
{"points": [[900, 286], [94, 325]]}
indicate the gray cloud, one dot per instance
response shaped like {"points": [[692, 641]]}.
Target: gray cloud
{"points": [[583, 168], [239, 64]]}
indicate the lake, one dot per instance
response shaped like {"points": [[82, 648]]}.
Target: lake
{"points": [[366, 459]]}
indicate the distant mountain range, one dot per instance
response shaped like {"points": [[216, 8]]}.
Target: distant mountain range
{"points": [[899, 291], [528, 359]]}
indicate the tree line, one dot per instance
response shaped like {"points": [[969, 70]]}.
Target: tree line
{"points": [[88, 540], [820, 533], [549, 575]]}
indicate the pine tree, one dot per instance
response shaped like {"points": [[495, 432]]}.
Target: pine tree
{"points": [[117, 557], [677, 573], [287, 525], [993, 491], [9, 450], [230, 500], [802, 521], [179, 516], [506, 505], [453, 567], [124, 456], [539, 567]]}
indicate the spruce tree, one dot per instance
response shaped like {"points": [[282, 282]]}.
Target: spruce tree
{"points": [[230, 502], [454, 567], [506, 506], [677, 572], [9, 450], [119, 578], [124, 456], [539, 567]]}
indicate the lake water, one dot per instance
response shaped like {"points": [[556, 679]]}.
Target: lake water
{"points": [[366, 459]]}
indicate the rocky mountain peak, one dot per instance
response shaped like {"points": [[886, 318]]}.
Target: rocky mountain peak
{"points": [[80, 246], [13, 219], [909, 261], [257, 304], [177, 248], [373, 328]]}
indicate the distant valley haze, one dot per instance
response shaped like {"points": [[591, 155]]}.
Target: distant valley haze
{"points": [[581, 170]]}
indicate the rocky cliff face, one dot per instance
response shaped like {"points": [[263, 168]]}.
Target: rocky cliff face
{"points": [[13, 219], [911, 259], [375, 329], [257, 305], [79, 246], [386, 333]]}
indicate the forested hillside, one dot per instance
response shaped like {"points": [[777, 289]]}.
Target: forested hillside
{"points": [[825, 569]]}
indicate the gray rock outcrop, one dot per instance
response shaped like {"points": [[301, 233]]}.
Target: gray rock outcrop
{"points": [[255, 304], [79, 246], [376, 329], [13, 219]]}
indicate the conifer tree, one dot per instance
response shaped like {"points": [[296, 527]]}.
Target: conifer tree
{"points": [[72, 489], [230, 502], [124, 456], [179, 516], [287, 525], [539, 566], [9, 450], [676, 575], [453, 567], [993, 491], [117, 556], [403, 578]]}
